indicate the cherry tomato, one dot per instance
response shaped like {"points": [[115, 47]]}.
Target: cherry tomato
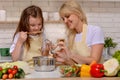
{"points": [[10, 70], [15, 67], [5, 76], [0, 68], [10, 76], [14, 71]]}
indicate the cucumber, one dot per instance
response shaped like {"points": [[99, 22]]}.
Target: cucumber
{"points": [[1, 74], [17, 75], [20, 74]]}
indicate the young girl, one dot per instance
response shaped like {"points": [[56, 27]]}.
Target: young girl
{"points": [[28, 37]]}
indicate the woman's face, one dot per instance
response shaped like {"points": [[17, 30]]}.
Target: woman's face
{"points": [[72, 21], [35, 24]]}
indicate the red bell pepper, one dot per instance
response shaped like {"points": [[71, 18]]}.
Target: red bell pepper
{"points": [[97, 70]]}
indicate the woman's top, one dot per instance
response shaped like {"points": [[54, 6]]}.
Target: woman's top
{"points": [[91, 35]]}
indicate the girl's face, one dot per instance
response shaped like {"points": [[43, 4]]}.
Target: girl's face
{"points": [[72, 21], [35, 24]]}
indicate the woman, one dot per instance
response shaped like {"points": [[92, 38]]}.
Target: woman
{"points": [[28, 37], [85, 42]]}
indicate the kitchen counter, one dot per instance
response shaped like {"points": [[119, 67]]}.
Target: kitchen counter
{"points": [[51, 74], [55, 75], [76, 78]]}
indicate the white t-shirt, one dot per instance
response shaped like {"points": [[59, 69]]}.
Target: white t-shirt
{"points": [[94, 36], [14, 43]]}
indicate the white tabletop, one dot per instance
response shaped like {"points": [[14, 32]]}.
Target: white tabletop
{"points": [[51, 74]]}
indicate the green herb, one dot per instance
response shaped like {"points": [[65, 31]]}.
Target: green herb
{"points": [[109, 42]]}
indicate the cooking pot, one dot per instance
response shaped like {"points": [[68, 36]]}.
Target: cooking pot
{"points": [[44, 63]]}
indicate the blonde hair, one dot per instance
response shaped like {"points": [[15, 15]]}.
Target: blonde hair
{"points": [[72, 7]]}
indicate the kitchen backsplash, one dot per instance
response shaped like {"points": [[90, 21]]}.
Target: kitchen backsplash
{"points": [[105, 14]]}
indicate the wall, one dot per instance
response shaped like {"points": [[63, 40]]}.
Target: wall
{"points": [[101, 13]]}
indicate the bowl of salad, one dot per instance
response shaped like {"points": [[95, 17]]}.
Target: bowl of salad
{"points": [[70, 70]]}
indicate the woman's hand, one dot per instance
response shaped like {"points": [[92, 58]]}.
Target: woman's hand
{"points": [[47, 48], [63, 55], [22, 37]]}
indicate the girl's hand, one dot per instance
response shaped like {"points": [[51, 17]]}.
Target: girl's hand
{"points": [[22, 36]]}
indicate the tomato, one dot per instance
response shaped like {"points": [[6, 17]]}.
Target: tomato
{"points": [[9, 70], [5, 76], [10, 76], [14, 71], [15, 67], [0, 68]]}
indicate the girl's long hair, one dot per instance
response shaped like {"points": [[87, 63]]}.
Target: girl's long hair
{"points": [[23, 24]]}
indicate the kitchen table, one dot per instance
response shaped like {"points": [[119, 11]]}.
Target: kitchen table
{"points": [[75, 78], [55, 75], [50, 74]]}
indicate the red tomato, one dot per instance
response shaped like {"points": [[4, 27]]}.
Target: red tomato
{"points": [[5, 76], [0, 68], [10, 76], [15, 67], [10, 70], [14, 71]]}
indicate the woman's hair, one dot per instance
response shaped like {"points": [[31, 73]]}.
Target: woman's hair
{"points": [[24, 25], [72, 7], [68, 8]]}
